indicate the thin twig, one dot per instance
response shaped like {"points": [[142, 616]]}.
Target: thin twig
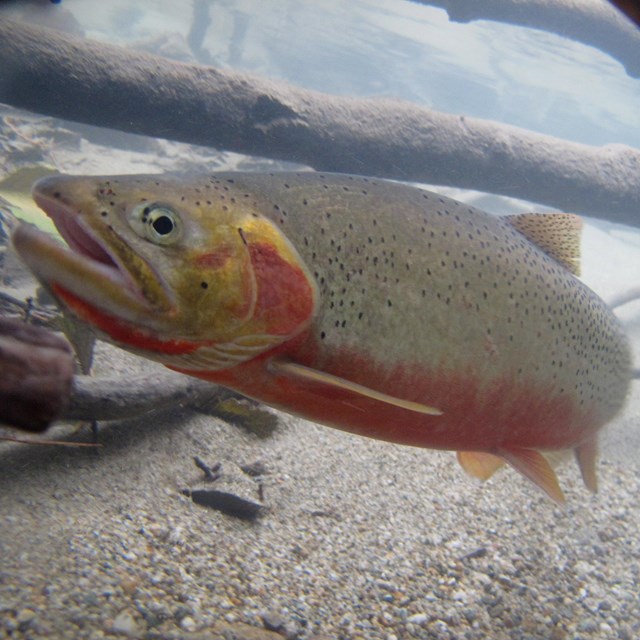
{"points": [[57, 443], [623, 298]]}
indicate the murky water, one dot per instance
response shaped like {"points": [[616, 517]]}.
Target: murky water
{"points": [[359, 539]]}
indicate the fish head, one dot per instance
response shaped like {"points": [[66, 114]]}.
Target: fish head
{"points": [[181, 272]]}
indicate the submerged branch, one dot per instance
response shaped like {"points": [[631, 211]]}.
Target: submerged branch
{"points": [[597, 24], [99, 84], [630, 7], [625, 297], [102, 398], [36, 369], [38, 385]]}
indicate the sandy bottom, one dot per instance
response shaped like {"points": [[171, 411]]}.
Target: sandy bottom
{"points": [[360, 539]]}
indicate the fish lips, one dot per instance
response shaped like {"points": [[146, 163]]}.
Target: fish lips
{"points": [[88, 269]]}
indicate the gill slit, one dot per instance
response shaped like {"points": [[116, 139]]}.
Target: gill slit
{"points": [[254, 282]]}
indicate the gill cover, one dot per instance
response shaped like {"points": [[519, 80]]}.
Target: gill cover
{"points": [[254, 290]]}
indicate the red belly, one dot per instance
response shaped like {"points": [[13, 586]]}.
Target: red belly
{"points": [[476, 416]]}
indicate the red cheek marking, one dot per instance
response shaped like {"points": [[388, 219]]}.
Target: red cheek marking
{"points": [[120, 331], [285, 296], [214, 260]]}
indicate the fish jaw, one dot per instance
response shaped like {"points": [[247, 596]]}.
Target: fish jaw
{"points": [[90, 270]]}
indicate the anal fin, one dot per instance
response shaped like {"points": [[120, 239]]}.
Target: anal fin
{"points": [[479, 464], [534, 466], [307, 374]]}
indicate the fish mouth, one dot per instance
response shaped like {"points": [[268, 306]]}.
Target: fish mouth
{"points": [[87, 270]]}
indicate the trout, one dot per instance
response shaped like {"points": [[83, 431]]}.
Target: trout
{"points": [[377, 308]]}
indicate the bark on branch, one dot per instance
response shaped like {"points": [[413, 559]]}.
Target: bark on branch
{"points": [[594, 23], [109, 86], [630, 7], [36, 369], [103, 398], [38, 385]]}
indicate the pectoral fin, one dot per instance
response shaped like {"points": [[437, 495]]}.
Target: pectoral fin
{"points": [[479, 464], [307, 374], [534, 466]]}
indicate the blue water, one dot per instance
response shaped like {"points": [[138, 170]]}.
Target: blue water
{"points": [[399, 49]]}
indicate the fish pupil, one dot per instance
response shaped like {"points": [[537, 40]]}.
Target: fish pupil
{"points": [[163, 225]]}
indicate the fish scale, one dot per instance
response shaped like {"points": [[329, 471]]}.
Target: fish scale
{"points": [[370, 306], [473, 280]]}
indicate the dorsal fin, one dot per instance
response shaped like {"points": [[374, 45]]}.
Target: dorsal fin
{"points": [[557, 234]]}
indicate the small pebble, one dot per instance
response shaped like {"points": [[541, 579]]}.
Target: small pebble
{"points": [[25, 615], [418, 618], [124, 624], [587, 626], [188, 623]]}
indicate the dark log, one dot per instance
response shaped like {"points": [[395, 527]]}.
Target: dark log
{"points": [[630, 7], [36, 368], [592, 23], [109, 86], [229, 503], [38, 386]]}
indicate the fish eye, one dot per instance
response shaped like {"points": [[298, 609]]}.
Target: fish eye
{"points": [[157, 223]]}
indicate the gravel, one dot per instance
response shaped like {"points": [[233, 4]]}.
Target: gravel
{"points": [[359, 539]]}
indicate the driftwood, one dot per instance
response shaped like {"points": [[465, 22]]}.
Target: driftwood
{"points": [[115, 398], [109, 86], [624, 298], [39, 390], [594, 23], [36, 370], [630, 7], [38, 385]]}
